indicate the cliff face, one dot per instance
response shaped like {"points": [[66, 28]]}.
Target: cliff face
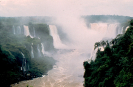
{"points": [[22, 50], [113, 66]]}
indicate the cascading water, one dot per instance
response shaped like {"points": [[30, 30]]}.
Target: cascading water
{"points": [[93, 54], [32, 53], [23, 63], [111, 31], [119, 30], [13, 29], [126, 28], [68, 71], [38, 37], [43, 51], [39, 52], [122, 31], [54, 33], [26, 31], [105, 30], [23, 55], [18, 30], [34, 32]]}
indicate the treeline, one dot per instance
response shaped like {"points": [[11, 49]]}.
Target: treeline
{"points": [[106, 18], [27, 19], [16, 63], [112, 67]]}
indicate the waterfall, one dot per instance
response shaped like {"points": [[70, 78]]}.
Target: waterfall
{"points": [[107, 31], [126, 28], [23, 55], [26, 31], [13, 29], [32, 53], [111, 31], [122, 31], [18, 30], [119, 30], [93, 54], [38, 37], [43, 51], [23, 63], [38, 49], [56, 39], [34, 32]]}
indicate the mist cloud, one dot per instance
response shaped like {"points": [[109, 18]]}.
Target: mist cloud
{"points": [[67, 13]]}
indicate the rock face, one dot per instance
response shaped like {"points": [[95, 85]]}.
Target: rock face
{"points": [[23, 50]]}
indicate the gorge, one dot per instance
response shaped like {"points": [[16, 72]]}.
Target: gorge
{"points": [[36, 46]]}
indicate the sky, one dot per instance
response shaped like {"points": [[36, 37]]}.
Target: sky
{"points": [[65, 7], [68, 13]]}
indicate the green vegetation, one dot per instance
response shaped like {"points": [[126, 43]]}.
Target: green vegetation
{"points": [[40, 67], [112, 67], [12, 46], [105, 19], [42, 31], [29, 86]]}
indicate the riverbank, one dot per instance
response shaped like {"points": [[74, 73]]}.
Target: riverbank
{"points": [[64, 72], [39, 68]]}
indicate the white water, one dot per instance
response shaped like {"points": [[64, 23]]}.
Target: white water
{"points": [[39, 52], [26, 31], [13, 29], [120, 31], [34, 32], [18, 30], [126, 28], [32, 53], [23, 55], [24, 67], [111, 31], [68, 70], [38, 37], [43, 51], [108, 31], [23, 63], [56, 39]]}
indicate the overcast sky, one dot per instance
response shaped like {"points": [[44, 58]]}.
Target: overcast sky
{"points": [[67, 7], [67, 13]]}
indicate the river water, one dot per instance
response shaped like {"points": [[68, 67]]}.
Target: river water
{"points": [[67, 72]]}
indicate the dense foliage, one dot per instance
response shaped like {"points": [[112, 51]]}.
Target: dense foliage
{"points": [[112, 67], [42, 31], [15, 50]]}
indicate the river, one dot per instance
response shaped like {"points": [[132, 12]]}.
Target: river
{"points": [[67, 72]]}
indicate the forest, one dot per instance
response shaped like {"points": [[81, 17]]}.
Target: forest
{"points": [[16, 62], [112, 67]]}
